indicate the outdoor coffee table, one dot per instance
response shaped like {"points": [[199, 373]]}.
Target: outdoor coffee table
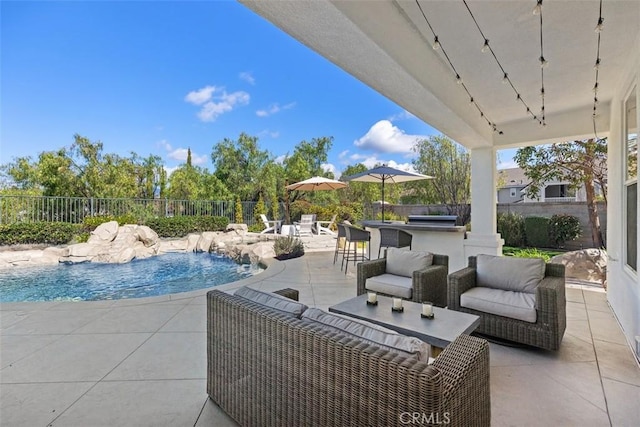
{"points": [[440, 331]]}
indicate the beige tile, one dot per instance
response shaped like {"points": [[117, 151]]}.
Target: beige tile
{"points": [[144, 318], [192, 318], [536, 396], [74, 358], [138, 403], [166, 355], [37, 404], [16, 347], [54, 321], [212, 415], [623, 401], [617, 362]]}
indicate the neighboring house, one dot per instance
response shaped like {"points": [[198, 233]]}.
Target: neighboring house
{"points": [[513, 183]]}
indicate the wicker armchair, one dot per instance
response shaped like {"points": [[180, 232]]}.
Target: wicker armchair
{"points": [[393, 238], [428, 284], [550, 305]]}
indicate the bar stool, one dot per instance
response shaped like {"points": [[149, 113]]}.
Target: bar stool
{"points": [[341, 234], [394, 238], [354, 236]]}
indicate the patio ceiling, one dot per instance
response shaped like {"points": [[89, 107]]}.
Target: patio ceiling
{"points": [[388, 46]]}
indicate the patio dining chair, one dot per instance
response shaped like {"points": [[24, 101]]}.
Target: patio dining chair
{"points": [[394, 238]]}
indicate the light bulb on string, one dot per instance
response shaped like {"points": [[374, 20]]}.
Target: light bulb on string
{"points": [[543, 62], [595, 88], [600, 25], [485, 46], [538, 8], [597, 64], [471, 102], [436, 43], [458, 79], [505, 79]]}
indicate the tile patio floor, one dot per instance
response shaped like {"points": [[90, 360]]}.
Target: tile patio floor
{"points": [[142, 362]]}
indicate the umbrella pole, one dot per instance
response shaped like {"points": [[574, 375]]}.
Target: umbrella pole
{"points": [[382, 199]]}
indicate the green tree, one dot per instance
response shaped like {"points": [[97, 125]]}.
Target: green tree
{"points": [[307, 161], [450, 165], [577, 162], [239, 217], [239, 164], [195, 183]]}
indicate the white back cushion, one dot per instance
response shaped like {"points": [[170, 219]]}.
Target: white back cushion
{"points": [[509, 273], [403, 262]]}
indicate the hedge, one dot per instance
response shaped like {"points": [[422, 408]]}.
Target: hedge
{"points": [[563, 228], [180, 226], [511, 229], [536, 229], [53, 233]]}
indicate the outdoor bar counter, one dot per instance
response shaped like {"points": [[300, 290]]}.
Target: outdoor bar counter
{"points": [[440, 239]]}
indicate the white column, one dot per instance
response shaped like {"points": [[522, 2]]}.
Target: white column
{"points": [[483, 238]]}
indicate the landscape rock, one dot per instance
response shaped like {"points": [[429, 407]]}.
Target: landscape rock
{"points": [[147, 236], [192, 242], [205, 241], [589, 265], [238, 229], [105, 232], [173, 245]]}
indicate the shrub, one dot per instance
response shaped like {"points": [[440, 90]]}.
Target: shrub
{"points": [[239, 217], [511, 228], [180, 226], [563, 228], [536, 230], [53, 233], [527, 253], [90, 223], [288, 247], [259, 209]]}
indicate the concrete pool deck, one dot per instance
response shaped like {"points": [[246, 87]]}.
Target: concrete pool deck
{"points": [[143, 362]]}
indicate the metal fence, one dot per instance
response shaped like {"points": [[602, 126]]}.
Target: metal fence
{"points": [[74, 209]]}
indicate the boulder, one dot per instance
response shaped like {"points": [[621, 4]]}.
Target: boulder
{"points": [[105, 232], [147, 236], [192, 242], [253, 253], [174, 245], [237, 229], [205, 242], [589, 265]]}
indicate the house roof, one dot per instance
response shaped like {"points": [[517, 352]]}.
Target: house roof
{"points": [[513, 177]]}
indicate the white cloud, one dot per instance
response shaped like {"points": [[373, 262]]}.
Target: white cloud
{"points": [[372, 161], [181, 154], [280, 159], [200, 96], [247, 77], [274, 108], [387, 138], [269, 133], [328, 167], [403, 115], [170, 170], [215, 101]]}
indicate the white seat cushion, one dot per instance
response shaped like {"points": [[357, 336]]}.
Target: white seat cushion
{"points": [[403, 262], [375, 334], [272, 300], [390, 284], [516, 305], [509, 273]]}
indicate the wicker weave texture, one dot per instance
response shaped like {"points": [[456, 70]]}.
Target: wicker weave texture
{"points": [[269, 369], [429, 284], [551, 320]]}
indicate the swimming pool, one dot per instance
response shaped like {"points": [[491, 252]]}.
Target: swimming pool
{"points": [[159, 275]]}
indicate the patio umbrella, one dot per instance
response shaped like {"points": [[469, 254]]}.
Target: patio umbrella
{"points": [[386, 174], [317, 183]]}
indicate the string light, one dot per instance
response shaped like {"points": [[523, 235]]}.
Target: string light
{"points": [[505, 76], [599, 28], [537, 10], [438, 45], [485, 46]]}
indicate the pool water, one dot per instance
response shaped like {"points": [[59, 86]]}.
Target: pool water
{"points": [[159, 275]]}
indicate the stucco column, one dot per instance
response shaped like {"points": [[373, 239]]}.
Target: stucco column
{"points": [[483, 238]]}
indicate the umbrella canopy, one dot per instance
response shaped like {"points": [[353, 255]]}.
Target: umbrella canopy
{"points": [[386, 174], [317, 183]]}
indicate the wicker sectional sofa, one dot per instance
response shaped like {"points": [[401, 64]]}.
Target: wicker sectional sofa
{"points": [[267, 367]]}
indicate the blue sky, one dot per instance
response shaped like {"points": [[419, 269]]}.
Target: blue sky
{"points": [[158, 77]]}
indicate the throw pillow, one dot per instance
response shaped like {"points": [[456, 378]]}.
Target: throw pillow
{"points": [[403, 262]]}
